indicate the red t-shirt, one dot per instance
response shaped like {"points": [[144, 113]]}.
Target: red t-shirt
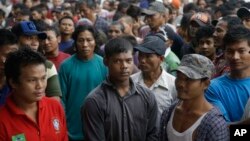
{"points": [[16, 125], [59, 59]]}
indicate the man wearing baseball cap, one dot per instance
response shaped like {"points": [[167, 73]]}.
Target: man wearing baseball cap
{"points": [[244, 14], [27, 34], [152, 75], [155, 15], [193, 117]]}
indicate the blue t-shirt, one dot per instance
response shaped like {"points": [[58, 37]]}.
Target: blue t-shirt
{"points": [[4, 92], [77, 79], [63, 46], [229, 95]]}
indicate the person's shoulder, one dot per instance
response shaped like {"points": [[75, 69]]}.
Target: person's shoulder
{"points": [[143, 90], [50, 102], [136, 76], [96, 93], [214, 118]]}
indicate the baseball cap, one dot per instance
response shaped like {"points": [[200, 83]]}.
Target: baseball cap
{"points": [[202, 19], [152, 44], [27, 28], [154, 8], [196, 66], [243, 12]]}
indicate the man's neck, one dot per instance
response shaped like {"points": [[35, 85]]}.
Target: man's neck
{"points": [[197, 105], [52, 54], [150, 78], [65, 37], [121, 86], [239, 74]]}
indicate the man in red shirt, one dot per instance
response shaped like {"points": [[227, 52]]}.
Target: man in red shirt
{"points": [[28, 114]]}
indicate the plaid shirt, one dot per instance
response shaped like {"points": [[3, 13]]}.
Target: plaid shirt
{"points": [[212, 127]]}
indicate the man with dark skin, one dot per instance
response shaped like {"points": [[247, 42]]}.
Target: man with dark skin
{"points": [[119, 109]]}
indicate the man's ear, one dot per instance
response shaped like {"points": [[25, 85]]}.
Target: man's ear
{"points": [[162, 58], [207, 83], [12, 83]]}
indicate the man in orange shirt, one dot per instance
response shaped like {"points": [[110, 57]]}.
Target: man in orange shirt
{"points": [[28, 114]]}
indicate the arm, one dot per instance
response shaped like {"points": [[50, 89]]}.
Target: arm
{"points": [[92, 121], [53, 86], [152, 117], [63, 85], [218, 130], [212, 98]]}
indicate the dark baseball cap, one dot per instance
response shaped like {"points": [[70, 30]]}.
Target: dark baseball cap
{"points": [[154, 8], [243, 12], [202, 19], [27, 28], [152, 44]]}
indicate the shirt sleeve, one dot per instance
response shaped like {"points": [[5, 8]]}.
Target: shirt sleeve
{"points": [[152, 117], [214, 128], [92, 121], [53, 85], [212, 97]]}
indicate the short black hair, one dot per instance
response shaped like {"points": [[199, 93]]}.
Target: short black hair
{"points": [[237, 34], [7, 37], [66, 17], [232, 21], [116, 46], [18, 59], [204, 32], [81, 28]]}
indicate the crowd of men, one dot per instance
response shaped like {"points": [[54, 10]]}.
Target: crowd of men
{"points": [[127, 70]]}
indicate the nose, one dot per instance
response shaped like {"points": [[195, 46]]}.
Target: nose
{"points": [[124, 65], [215, 34], [235, 56], [204, 46]]}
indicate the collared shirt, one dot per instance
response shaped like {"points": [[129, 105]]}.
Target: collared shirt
{"points": [[109, 117], [213, 126], [16, 125], [163, 89]]}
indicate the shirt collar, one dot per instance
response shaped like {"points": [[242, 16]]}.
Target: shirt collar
{"points": [[161, 81], [16, 110], [132, 88]]}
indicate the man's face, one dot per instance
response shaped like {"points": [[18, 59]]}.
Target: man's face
{"points": [[149, 62], [238, 57], [120, 66], [206, 47], [246, 22], [31, 83], [188, 89], [50, 44], [155, 21], [219, 33], [4, 51], [86, 12], [31, 41], [85, 45], [114, 31], [193, 28], [36, 16], [67, 26]]}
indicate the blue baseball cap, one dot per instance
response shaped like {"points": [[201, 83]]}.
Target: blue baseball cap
{"points": [[152, 44], [27, 28]]}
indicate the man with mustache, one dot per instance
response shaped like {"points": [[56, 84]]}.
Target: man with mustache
{"points": [[152, 75]]}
